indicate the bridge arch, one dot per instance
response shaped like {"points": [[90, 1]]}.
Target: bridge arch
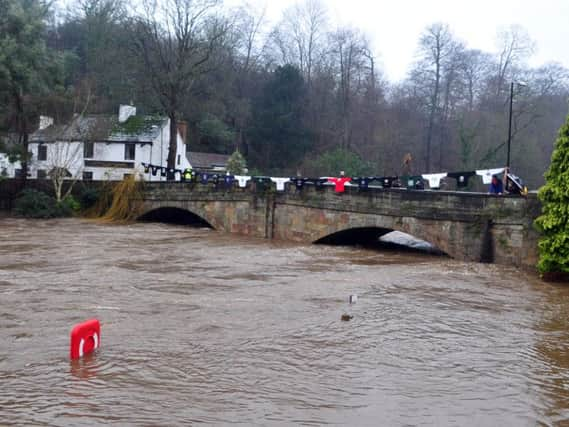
{"points": [[325, 226], [440, 234], [354, 236], [372, 238], [176, 213]]}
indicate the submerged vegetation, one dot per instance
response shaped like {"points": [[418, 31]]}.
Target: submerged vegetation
{"points": [[112, 202], [118, 202]]}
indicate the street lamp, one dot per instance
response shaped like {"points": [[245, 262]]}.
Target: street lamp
{"points": [[520, 84]]}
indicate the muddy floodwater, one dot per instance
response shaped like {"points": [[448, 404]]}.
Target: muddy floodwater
{"points": [[199, 326]]}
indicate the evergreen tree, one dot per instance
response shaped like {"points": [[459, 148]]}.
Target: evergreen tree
{"points": [[104, 62], [279, 138], [332, 162], [236, 164], [554, 221], [27, 67]]}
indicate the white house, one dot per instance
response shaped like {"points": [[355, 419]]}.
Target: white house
{"points": [[100, 147]]}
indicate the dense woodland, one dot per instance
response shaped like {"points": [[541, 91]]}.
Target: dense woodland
{"points": [[301, 95]]}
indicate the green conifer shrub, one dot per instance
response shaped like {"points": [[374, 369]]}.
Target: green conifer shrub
{"points": [[236, 164], [37, 204], [554, 221]]}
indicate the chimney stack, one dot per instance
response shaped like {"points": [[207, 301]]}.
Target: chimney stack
{"points": [[45, 121], [126, 111]]}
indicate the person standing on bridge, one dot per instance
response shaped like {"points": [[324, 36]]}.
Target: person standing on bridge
{"points": [[496, 186], [188, 174]]}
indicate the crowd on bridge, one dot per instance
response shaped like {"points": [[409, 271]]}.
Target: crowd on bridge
{"points": [[499, 180]]}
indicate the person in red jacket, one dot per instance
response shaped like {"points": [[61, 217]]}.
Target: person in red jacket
{"points": [[340, 183]]}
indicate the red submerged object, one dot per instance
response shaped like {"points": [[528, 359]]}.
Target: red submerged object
{"points": [[85, 338]]}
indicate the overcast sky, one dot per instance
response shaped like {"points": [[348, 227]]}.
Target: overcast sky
{"points": [[394, 26]]}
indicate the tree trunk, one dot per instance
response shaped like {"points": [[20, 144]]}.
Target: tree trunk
{"points": [[57, 186], [173, 145], [25, 148], [434, 103], [443, 129], [430, 138], [22, 126]]}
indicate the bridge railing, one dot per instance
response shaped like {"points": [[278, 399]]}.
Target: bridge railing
{"points": [[329, 187]]}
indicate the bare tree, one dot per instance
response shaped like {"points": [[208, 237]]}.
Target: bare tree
{"points": [[65, 157], [176, 39], [435, 47], [300, 35], [247, 48], [515, 46], [549, 79], [351, 55], [65, 165], [474, 68], [248, 28]]}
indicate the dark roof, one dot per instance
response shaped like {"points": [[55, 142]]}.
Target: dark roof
{"points": [[207, 160], [103, 129]]}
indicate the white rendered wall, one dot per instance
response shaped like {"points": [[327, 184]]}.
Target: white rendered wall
{"points": [[60, 154]]}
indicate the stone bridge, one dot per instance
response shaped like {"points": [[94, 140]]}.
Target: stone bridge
{"points": [[466, 226]]}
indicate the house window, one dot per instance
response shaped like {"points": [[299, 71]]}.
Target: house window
{"points": [[42, 152], [126, 176], [87, 176], [178, 159], [18, 173], [88, 149], [129, 150], [42, 174]]}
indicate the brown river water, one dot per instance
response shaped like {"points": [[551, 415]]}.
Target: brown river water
{"points": [[199, 326]]}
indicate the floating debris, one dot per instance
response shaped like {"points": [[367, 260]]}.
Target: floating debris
{"points": [[346, 317]]}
